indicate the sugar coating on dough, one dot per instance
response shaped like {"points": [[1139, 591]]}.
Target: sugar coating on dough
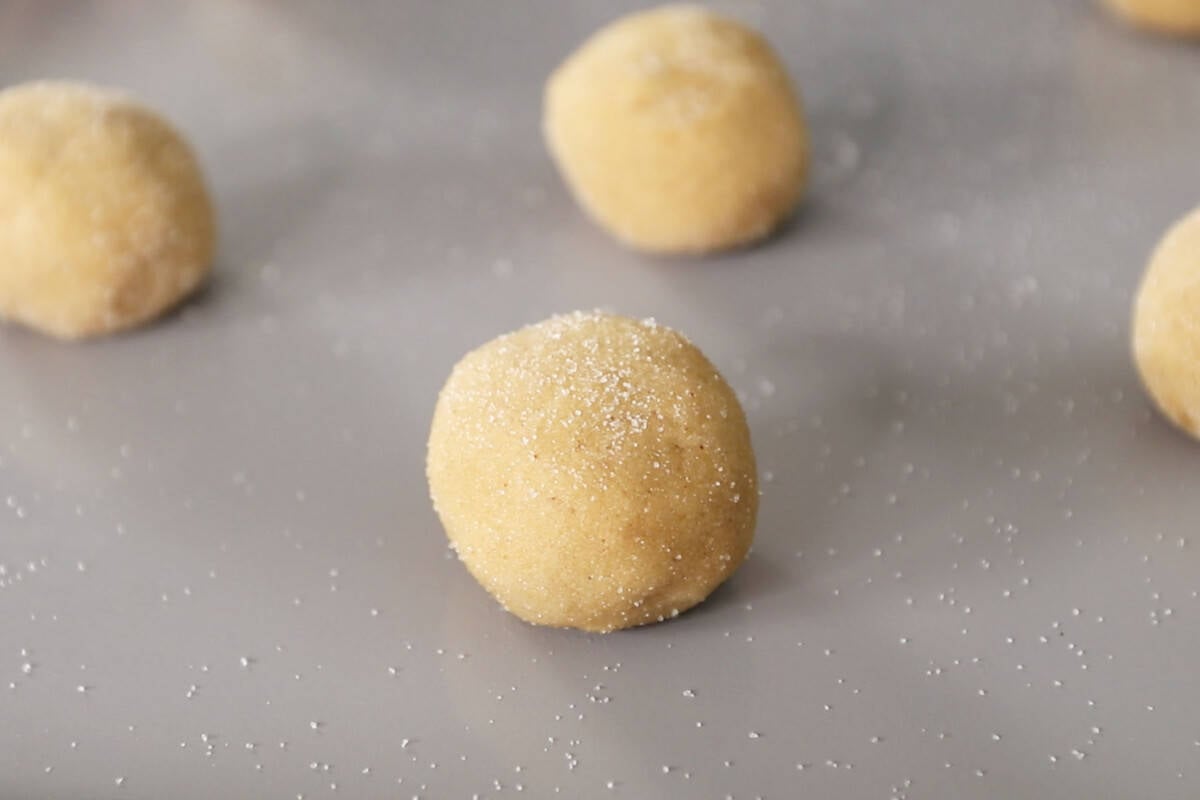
{"points": [[1179, 17], [1166, 325], [593, 471], [104, 218], [678, 131]]}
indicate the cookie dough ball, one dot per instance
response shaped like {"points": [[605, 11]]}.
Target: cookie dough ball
{"points": [[1178, 17], [104, 219], [593, 472], [678, 131], [1166, 325]]}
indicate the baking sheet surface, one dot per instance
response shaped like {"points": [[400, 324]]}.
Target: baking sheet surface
{"points": [[977, 565]]}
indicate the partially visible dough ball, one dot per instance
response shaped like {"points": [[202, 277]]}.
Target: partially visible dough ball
{"points": [[593, 471], [1166, 325], [678, 131], [104, 219], [1180, 17]]}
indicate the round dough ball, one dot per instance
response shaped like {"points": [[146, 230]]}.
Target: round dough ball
{"points": [[104, 219], [1166, 325], [678, 131], [1178, 17], [593, 472]]}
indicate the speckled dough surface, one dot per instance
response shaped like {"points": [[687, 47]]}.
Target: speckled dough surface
{"points": [[1180, 17], [593, 471], [1166, 329], [104, 219], [678, 131]]}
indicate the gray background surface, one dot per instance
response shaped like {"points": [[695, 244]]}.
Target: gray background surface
{"points": [[977, 563]]}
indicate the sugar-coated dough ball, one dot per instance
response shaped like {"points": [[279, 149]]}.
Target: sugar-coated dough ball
{"points": [[1181, 17], [678, 131], [1166, 325], [104, 218], [593, 471]]}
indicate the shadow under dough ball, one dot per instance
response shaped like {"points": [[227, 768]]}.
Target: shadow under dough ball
{"points": [[593, 471], [1175, 17], [1166, 325], [105, 222], [678, 131]]}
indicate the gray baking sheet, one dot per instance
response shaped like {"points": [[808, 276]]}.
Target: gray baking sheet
{"points": [[976, 568]]}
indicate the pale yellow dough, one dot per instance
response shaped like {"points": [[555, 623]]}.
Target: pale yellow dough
{"points": [[678, 131], [104, 218], [1179, 17], [1166, 325], [593, 471]]}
